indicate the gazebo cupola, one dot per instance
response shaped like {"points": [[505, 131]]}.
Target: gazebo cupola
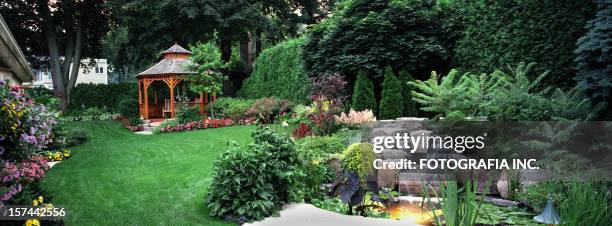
{"points": [[171, 70], [176, 52]]}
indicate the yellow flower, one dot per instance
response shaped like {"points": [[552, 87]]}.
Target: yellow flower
{"points": [[57, 156], [66, 153], [35, 202], [40, 199], [32, 222], [316, 162], [49, 206]]}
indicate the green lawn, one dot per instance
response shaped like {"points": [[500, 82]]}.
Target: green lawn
{"points": [[120, 178]]}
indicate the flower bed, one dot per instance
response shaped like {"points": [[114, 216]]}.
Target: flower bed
{"points": [[132, 124], [15, 176], [204, 124]]}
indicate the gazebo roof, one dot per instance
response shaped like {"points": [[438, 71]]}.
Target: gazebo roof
{"points": [[177, 64], [176, 49]]}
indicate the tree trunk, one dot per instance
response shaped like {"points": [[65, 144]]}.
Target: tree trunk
{"points": [[258, 46], [244, 53], [64, 78], [226, 48]]}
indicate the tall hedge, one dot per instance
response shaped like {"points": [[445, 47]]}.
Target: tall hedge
{"points": [[594, 55], [278, 72], [363, 94], [503, 33], [409, 109], [391, 103], [101, 95]]}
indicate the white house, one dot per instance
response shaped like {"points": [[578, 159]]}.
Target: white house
{"points": [[98, 74]]}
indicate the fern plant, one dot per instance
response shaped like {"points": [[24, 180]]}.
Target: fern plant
{"points": [[455, 96], [500, 96]]}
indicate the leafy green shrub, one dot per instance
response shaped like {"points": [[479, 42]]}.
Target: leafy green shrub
{"points": [[537, 195], [185, 114], [331, 204], [253, 181], [43, 96], [363, 94], [102, 96], [391, 102], [359, 157], [267, 109], [94, 112], [234, 108], [321, 146], [278, 72], [315, 152], [134, 121], [75, 136], [129, 107], [502, 33]]}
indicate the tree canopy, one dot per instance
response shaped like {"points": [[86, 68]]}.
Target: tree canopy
{"points": [[369, 35]]}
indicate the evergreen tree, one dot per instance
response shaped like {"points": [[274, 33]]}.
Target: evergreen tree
{"points": [[409, 105], [363, 94], [594, 55], [391, 103]]}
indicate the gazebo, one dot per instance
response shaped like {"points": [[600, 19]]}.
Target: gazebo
{"points": [[171, 71]]}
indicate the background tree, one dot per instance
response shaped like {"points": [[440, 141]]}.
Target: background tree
{"points": [[186, 21], [57, 33], [594, 55], [363, 94], [206, 59], [391, 103], [409, 109], [368, 35], [501, 34]]}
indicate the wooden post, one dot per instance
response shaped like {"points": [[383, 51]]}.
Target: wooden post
{"points": [[140, 97], [139, 91], [146, 99], [201, 103], [172, 85]]}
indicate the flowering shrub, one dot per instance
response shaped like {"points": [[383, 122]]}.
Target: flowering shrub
{"points": [[175, 126], [322, 115], [26, 126], [355, 118], [267, 109], [133, 124], [16, 175], [327, 100]]}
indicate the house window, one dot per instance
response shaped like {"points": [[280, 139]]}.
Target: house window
{"points": [[99, 70]]}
